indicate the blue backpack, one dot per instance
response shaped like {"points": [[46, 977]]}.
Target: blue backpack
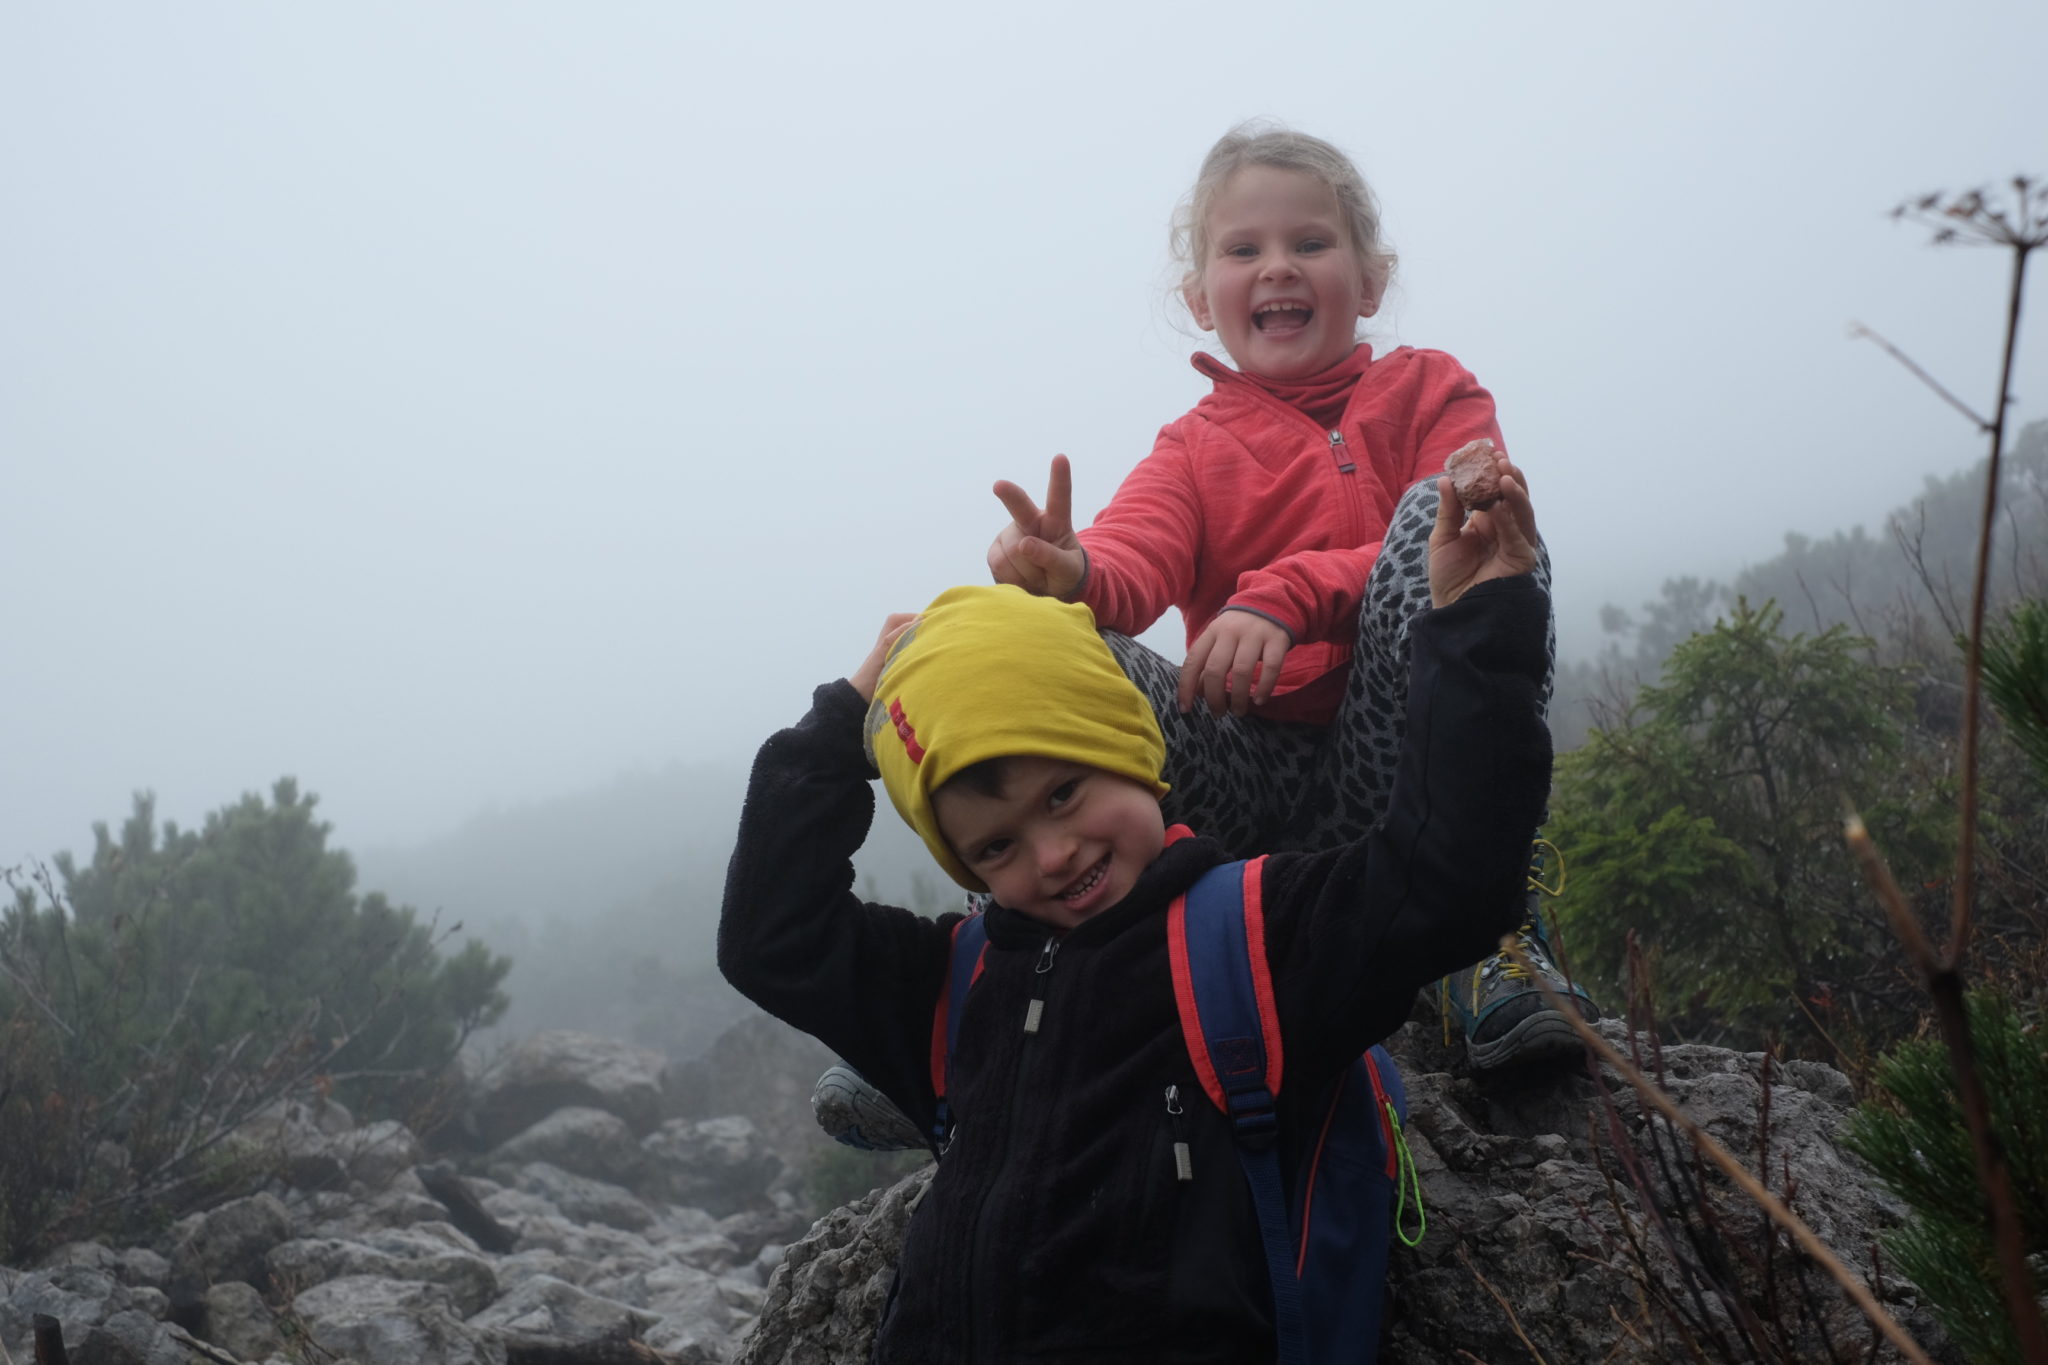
{"points": [[1326, 1223]]}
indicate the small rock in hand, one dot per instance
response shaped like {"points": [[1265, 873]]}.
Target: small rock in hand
{"points": [[1472, 470]]}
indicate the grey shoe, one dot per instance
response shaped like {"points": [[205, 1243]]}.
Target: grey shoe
{"points": [[1506, 1018], [858, 1115]]}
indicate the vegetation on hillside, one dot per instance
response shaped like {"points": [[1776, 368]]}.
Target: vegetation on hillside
{"points": [[161, 993]]}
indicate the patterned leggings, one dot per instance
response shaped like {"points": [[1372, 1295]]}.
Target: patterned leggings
{"points": [[1261, 785]]}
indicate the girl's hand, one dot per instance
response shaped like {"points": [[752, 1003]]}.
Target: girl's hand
{"points": [[1038, 551], [869, 674], [1496, 543], [1234, 663]]}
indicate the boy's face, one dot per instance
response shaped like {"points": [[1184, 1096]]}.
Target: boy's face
{"points": [[1062, 842]]}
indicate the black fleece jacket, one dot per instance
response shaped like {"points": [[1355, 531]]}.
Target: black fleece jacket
{"points": [[1055, 1228]]}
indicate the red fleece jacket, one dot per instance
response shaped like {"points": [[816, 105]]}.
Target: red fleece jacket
{"points": [[1247, 502]]}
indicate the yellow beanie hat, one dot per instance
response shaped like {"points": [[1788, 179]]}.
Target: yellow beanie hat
{"points": [[994, 672]]}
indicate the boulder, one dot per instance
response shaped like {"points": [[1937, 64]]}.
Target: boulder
{"points": [[561, 1069], [231, 1242], [721, 1165], [102, 1321], [827, 1295], [378, 1321], [586, 1142], [546, 1309], [764, 1069], [581, 1199], [1538, 1241], [238, 1321]]}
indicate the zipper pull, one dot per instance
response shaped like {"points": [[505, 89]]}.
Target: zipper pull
{"points": [[1035, 1011], [1340, 452], [1183, 1164]]}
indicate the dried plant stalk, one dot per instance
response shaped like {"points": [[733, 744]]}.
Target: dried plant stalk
{"points": [[1713, 1151]]}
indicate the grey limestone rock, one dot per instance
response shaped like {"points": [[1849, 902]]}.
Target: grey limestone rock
{"points": [[582, 1141], [551, 1309], [239, 1321], [827, 1295], [560, 1069], [721, 1165], [226, 1243], [1536, 1237], [378, 1321]]}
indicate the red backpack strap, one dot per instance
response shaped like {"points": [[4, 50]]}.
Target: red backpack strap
{"points": [[963, 969]]}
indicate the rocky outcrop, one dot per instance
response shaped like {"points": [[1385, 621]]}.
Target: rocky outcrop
{"points": [[1563, 1220], [1539, 1243], [606, 1228]]}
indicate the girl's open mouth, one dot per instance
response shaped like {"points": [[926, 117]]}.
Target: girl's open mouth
{"points": [[1283, 319]]}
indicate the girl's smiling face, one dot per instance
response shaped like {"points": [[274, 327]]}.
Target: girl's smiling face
{"points": [[1283, 285]]}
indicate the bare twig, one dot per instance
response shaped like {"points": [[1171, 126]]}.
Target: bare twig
{"points": [[1501, 1299], [1713, 1151], [1858, 332]]}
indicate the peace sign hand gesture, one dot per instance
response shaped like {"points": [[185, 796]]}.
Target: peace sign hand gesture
{"points": [[1038, 551]]}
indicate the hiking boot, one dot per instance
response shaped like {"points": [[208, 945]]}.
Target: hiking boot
{"points": [[856, 1114], [1505, 1016]]}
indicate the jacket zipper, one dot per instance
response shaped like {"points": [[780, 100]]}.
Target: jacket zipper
{"points": [[1034, 1015], [1340, 452], [1183, 1162]]}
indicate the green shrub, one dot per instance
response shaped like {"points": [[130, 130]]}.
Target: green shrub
{"points": [[1914, 1137], [155, 997]]}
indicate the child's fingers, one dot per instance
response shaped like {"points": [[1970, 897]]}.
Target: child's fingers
{"points": [[1244, 670], [1450, 513], [1059, 568], [1059, 494], [1007, 563], [1517, 529], [1191, 671], [1269, 670], [1018, 504]]}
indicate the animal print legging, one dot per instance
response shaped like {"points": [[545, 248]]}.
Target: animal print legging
{"points": [[1259, 785]]}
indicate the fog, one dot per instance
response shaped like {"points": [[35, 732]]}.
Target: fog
{"points": [[460, 405]]}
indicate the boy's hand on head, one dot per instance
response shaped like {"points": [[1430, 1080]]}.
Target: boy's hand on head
{"points": [[1038, 551], [1234, 663], [1465, 551], [869, 675]]}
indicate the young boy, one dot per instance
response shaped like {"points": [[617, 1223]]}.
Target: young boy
{"points": [[1057, 1225]]}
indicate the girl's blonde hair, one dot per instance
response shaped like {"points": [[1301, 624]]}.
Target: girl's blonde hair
{"points": [[1263, 144]]}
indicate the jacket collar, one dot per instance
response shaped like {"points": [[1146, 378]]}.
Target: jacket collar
{"points": [[1172, 872]]}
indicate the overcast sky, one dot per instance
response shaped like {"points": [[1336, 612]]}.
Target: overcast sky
{"points": [[456, 404]]}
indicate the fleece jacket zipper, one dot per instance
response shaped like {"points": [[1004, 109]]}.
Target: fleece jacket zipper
{"points": [[1033, 1021]]}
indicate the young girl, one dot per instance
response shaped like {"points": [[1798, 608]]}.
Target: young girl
{"points": [[1287, 516]]}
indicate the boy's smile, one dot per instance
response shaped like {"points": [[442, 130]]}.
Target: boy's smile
{"points": [[1283, 286], [1060, 843]]}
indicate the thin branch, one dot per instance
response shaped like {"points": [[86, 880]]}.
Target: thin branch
{"points": [[1505, 1307], [1858, 332], [1713, 1151]]}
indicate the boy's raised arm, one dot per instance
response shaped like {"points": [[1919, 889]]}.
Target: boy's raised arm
{"points": [[792, 936], [1361, 928]]}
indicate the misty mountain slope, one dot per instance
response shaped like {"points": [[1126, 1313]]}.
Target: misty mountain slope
{"points": [[607, 900], [1913, 572]]}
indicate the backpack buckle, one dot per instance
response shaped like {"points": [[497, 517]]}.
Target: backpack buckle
{"points": [[1253, 1119]]}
